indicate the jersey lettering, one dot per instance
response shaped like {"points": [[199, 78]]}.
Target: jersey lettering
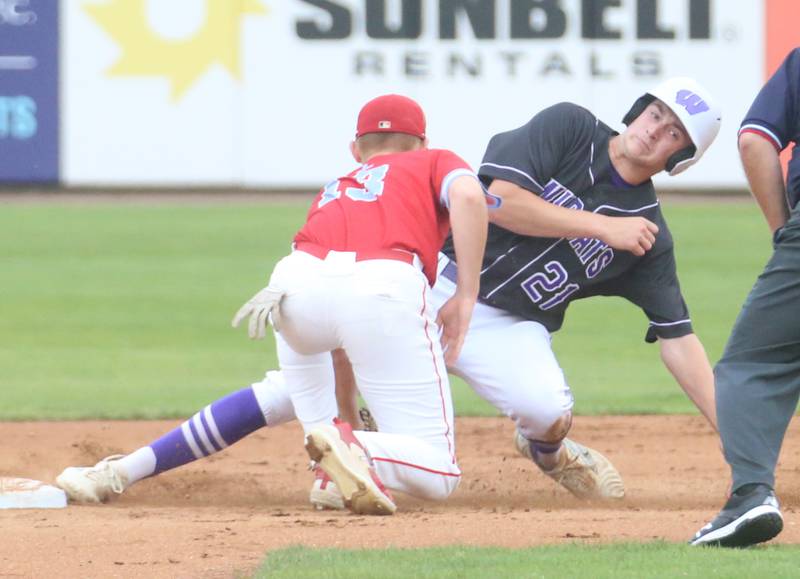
{"points": [[600, 263], [586, 247], [552, 282], [371, 180], [555, 193], [561, 296], [545, 282], [330, 193]]}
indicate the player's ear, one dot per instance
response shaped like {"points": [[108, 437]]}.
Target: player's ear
{"points": [[425, 143], [354, 151]]}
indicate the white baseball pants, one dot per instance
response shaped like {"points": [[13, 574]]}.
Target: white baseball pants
{"points": [[378, 310], [509, 362]]}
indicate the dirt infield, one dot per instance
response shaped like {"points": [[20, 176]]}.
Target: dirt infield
{"points": [[217, 517]]}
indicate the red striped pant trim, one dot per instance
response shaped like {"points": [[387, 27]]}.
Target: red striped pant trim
{"points": [[438, 373], [417, 466]]}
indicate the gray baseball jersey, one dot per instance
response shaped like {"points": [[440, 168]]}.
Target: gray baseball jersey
{"points": [[562, 156]]}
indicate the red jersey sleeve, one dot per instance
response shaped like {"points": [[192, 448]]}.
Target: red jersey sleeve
{"points": [[447, 166]]}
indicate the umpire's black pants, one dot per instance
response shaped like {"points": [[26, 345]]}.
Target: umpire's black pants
{"points": [[758, 377]]}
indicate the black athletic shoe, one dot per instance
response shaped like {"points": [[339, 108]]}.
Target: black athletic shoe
{"points": [[752, 515]]}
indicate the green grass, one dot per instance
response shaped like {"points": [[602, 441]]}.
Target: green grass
{"points": [[115, 311], [614, 561], [122, 311]]}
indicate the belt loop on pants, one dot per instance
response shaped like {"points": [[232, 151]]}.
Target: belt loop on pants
{"points": [[321, 252]]}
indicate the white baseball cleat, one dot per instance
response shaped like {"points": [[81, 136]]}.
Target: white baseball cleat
{"points": [[325, 494], [581, 470], [93, 484], [339, 453]]}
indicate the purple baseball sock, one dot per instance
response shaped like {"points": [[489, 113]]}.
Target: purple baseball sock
{"points": [[544, 453], [213, 428]]}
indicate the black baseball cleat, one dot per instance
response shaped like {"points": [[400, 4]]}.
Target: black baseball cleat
{"points": [[752, 515]]}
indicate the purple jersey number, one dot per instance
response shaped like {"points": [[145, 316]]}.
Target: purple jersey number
{"points": [[553, 280]]}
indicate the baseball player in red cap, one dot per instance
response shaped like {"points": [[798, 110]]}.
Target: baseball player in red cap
{"points": [[359, 279]]}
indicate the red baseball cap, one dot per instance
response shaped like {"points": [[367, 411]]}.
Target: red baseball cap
{"points": [[391, 113]]}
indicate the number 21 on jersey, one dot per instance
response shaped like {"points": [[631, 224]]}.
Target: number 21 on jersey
{"points": [[370, 180], [553, 280]]}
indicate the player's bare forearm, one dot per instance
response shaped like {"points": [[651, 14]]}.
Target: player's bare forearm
{"points": [[687, 361], [346, 391], [469, 223], [525, 213], [762, 166]]}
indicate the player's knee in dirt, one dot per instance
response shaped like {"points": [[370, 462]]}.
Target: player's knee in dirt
{"points": [[558, 430], [449, 484], [435, 487], [547, 430]]}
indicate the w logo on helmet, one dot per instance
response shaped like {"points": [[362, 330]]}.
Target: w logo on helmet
{"points": [[691, 102]]}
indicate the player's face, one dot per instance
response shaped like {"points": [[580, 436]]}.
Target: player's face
{"points": [[654, 136]]}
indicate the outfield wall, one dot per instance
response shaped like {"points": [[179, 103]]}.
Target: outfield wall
{"points": [[264, 93]]}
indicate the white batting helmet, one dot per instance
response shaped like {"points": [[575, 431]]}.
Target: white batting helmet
{"points": [[696, 109]]}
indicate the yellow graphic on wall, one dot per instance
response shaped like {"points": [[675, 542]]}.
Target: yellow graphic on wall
{"points": [[145, 53]]}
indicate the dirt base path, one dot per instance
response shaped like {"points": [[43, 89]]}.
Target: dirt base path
{"points": [[217, 517]]}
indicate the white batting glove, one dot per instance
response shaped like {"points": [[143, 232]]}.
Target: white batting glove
{"points": [[263, 306]]}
